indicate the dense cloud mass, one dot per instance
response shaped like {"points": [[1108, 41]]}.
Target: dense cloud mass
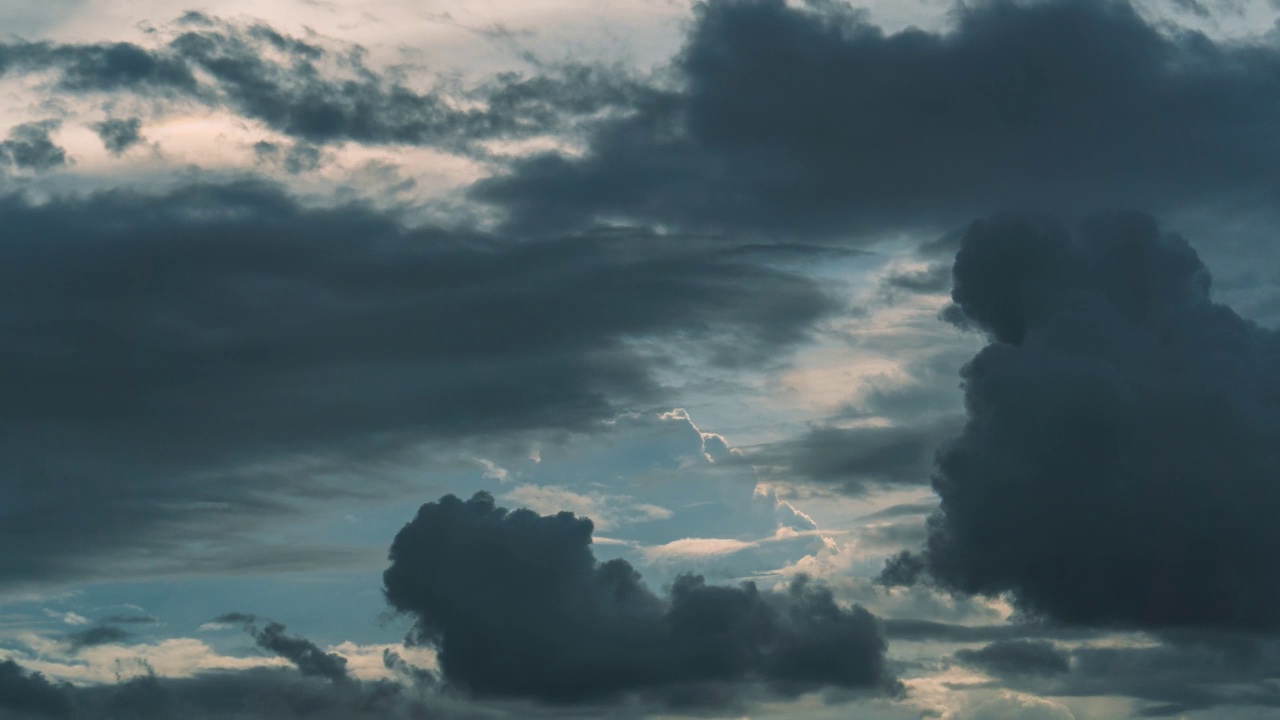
{"points": [[166, 355], [261, 694], [24, 694], [519, 607], [805, 118], [1118, 466]]}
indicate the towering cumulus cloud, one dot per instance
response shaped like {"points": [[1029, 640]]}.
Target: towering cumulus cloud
{"points": [[1122, 451], [519, 607]]}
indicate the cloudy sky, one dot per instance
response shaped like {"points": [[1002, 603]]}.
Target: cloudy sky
{"points": [[505, 359]]}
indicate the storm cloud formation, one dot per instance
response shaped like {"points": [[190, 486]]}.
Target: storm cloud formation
{"points": [[519, 607], [179, 364], [804, 118], [1118, 466], [24, 694], [259, 694]]}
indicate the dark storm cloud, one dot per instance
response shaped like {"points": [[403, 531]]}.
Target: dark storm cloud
{"points": [[319, 92], [97, 635], [1175, 678], [29, 147], [519, 607], [179, 365], [304, 654], [258, 694], [26, 694], [1017, 657], [1118, 465], [1168, 676], [802, 118], [119, 134], [859, 460]]}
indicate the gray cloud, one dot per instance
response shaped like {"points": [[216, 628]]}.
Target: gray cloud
{"points": [[97, 635], [1116, 465], [259, 694], [25, 694], [917, 630], [803, 118], [181, 365], [860, 459], [519, 607], [29, 147], [318, 91], [1018, 657], [296, 158], [1177, 674], [305, 655], [119, 134]]}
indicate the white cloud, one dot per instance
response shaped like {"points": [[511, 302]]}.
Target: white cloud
{"points": [[174, 657], [364, 662], [696, 548], [69, 618]]}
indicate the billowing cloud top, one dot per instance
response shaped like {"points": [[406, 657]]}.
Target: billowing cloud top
{"points": [[1119, 459], [519, 607]]}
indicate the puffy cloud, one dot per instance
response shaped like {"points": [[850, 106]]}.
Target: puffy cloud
{"points": [[519, 607], [1117, 463]]}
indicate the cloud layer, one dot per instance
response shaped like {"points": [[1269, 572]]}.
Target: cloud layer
{"points": [[169, 354]]}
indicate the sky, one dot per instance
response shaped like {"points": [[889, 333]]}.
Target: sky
{"points": [[758, 359]]}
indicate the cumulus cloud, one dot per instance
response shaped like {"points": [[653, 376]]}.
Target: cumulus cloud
{"points": [[1117, 463], [519, 607]]}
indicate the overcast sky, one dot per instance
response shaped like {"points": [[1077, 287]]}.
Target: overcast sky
{"points": [[639, 358]]}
